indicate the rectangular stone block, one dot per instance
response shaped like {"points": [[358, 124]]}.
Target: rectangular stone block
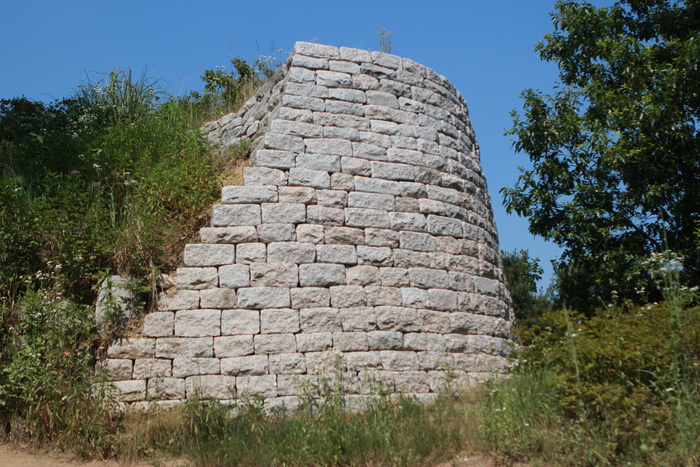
{"points": [[359, 217], [341, 120], [158, 324], [438, 225], [183, 367], [266, 344], [145, 368], [343, 296], [383, 127], [256, 176], [358, 199], [240, 322], [423, 341], [377, 185], [412, 382], [332, 198], [248, 253], [248, 365], [209, 254], [321, 275], [333, 79], [349, 95], [306, 89], [368, 151], [394, 277], [338, 147], [342, 254], [130, 391], [356, 165], [235, 214], [408, 221], [291, 252], [392, 171], [446, 195], [172, 347], [118, 369], [383, 296], [135, 347], [278, 321], [435, 361], [428, 278], [320, 320], [309, 297], [272, 158], [363, 275], [344, 236], [248, 194], [375, 256], [381, 238], [297, 195], [341, 181], [325, 216], [309, 178], [397, 318], [274, 275], [233, 346], [350, 341], [385, 340], [399, 361], [283, 142], [314, 341], [305, 130], [239, 234], [198, 323], [178, 300], [411, 259], [324, 162], [414, 297], [358, 319], [197, 278], [165, 389], [430, 206], [221, 387], [257, 386], [263, 297], [443, 299], [287, 363], [283, 213], [269, 233], [344, 67], [310, 233], [417, 241], [234, 276], [358, 361]]}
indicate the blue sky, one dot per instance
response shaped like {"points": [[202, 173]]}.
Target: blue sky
{"points": [[47, 48]]}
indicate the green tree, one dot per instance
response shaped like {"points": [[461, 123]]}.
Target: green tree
{"points": [[522, 273], [616, 148]]}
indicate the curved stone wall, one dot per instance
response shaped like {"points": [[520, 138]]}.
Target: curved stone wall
{"points": [[362, 239]]}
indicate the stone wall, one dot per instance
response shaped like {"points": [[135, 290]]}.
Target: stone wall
{"points": [[362, 237]]}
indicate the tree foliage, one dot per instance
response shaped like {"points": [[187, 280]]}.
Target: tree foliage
{"points": [[522, 273], [616, 148]]}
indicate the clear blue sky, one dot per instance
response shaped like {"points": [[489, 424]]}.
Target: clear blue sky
{"points": [[48, 47]]}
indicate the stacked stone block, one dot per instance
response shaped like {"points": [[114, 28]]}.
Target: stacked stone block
{"points": [[362, 237]]}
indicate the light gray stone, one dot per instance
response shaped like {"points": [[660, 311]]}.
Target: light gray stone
{"points": [[411, 259], [358, 319], [183, 367], [325, 162], [291, 252], [158, 324], [356, 166], [245, 365], [256, 176], [174, 299], [360, 217], [235, 214], [263, 297], [380, 296], [325, 216], [301, 75], [363, 275], [309, 297], [371, 201], [397, 318], [321, 275], [377, 185], [428, 278], [438, 225], [408, 220], [297, 195], [130, 391], [234, 276], [283, 213], [399, 361], [314, 341], [345, 296], [257, 386], [344, 67], [385, 340], [221, 387], [274, 275], [239, 234], [266, 344], [248, 253], [304, 130], [443, 299], [342, 181], [350, 341], [197, 278], [310, 233], [320, 320], [198, 323], [145, 368], [364, 150], [240, 321], [423, 341], [269, 233], [279, 321], [333, 79], [381, 237], [394, 277], [209, 254], [417, 241], [136, 347], [342, 254], [392, 171], [272, 158], [344, 236], [288, 363], [248, 194], [375, 256], [364, 82], [233, 346], [283, 142], [414, 297], [309, 178], [332, 198], [173, 347], [434, 321], [165, 389], [119, 369]]}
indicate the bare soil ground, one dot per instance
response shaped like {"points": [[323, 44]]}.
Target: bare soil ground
{"points": [[17, 456]]}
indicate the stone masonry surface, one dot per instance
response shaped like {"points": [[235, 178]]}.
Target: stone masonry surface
{"points": [[362, 239]]}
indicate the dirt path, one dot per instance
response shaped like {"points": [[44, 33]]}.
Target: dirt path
{"points": [[13, 456]]}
